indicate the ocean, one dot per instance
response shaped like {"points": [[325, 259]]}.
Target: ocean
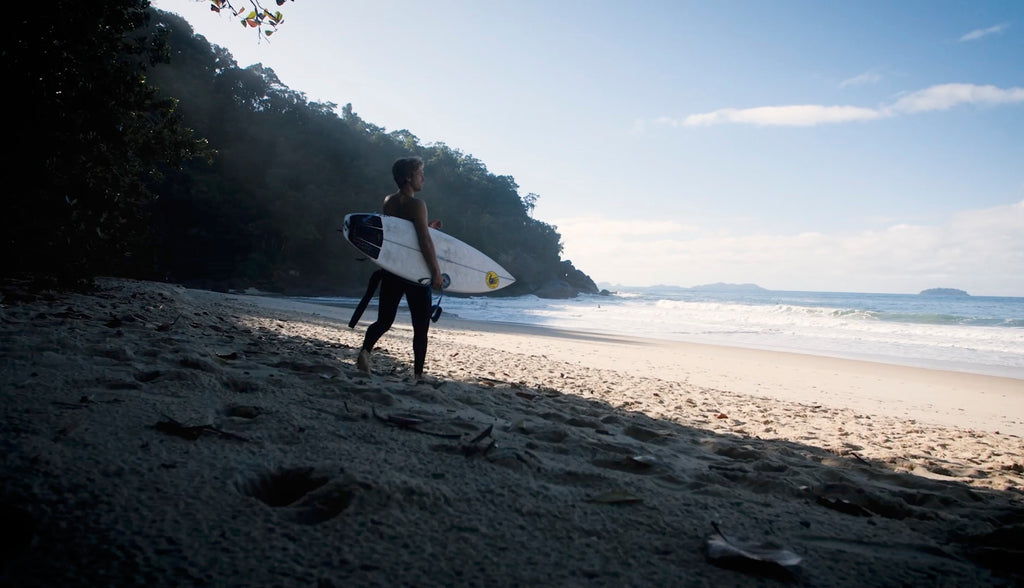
{"points": [[975, 334]]}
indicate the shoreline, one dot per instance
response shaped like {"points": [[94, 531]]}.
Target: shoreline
{"points": [[926, 394], [998, 371], [155, 435], [951, 398]]}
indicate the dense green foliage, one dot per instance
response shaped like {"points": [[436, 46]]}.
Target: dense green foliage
{"points": [[111, 180], [85, 133], [287, 170]]}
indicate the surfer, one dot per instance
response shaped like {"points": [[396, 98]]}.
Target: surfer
{"points": [[408, 174]]}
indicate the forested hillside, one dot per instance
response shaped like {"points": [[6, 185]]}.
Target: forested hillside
{"points": [[265, 213], [137, 149]]}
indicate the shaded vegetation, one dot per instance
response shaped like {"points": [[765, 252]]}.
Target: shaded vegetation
{"points": [[266, 213], [118, 184], [86, 134]]}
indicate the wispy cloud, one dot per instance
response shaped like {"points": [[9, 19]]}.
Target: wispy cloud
{"points": [[946, 96], [981, 33], [939, 97], [801, 115], [868, 77], [898, 258]]}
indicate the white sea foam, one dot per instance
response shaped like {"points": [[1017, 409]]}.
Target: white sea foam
{"points": [[973, 335], [850, 333]]}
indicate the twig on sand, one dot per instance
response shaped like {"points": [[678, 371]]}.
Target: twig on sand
{"points": [[481, 444], [193, 432], [411, 423], [859, 458], [167, 326]]}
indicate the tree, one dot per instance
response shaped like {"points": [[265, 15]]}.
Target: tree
{"points": [[89, 135], [530, 202], [266, 213]]}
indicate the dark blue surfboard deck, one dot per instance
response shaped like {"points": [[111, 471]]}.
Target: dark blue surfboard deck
{"points": [[366, 232]]}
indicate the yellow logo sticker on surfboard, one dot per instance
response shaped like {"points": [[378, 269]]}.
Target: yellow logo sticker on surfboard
{"points": [[492, 280]]}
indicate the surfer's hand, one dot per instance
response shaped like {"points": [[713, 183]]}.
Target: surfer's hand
{"points": [[435, 224], [437, 282]]}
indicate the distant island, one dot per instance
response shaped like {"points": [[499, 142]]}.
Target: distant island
{"points": [[716, 287], [943, 292], [723, 287]]}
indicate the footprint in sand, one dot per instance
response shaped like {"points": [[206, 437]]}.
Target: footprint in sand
{"points": [[243, 411], [633, 464], [147, 376], [305, 495], [644, 434], [240, 385], [322, 370], [549, 435]]}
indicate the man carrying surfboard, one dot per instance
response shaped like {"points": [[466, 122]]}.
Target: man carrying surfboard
{"points": [[408, 175]]}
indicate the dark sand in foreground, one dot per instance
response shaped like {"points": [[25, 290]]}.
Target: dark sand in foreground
{"points": [[162, 436]]}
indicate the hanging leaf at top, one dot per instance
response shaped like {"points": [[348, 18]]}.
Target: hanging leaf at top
{"points": [[259, 18]]}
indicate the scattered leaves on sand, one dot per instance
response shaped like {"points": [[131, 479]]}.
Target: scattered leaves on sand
{"points": [[615, 497], [403, 421], [639, 464], [415, 423], [761, 558], [844, 506], [480, 444], [193, 432], [164, 327]]}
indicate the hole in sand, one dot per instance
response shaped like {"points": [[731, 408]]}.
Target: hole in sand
{"points": [[284, 486]]}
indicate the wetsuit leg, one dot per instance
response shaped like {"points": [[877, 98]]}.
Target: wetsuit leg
{"points": [[371, 289], [418, 298], [391, 289]]}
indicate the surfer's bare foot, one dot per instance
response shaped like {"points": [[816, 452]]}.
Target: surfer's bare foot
{"points": [[364, 363]]}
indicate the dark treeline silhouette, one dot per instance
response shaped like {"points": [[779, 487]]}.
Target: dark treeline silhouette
{"points": [[138, 149], [265, 213], [84, 137]]}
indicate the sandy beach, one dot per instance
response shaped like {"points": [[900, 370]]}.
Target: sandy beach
{"points": [[156, 435]]}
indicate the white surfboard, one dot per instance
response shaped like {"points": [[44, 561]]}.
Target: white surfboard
{"points": [[391, 243]]}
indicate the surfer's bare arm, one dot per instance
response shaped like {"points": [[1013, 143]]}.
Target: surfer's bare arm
{"points": [[426, 243]]}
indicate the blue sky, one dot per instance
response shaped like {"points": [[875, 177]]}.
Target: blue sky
{"points": [[841, 146]]}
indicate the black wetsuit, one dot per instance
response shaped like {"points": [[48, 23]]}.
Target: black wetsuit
{"points": [[392, 288]]}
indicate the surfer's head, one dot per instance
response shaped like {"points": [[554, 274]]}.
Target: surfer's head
{"points": [[404, 169]]}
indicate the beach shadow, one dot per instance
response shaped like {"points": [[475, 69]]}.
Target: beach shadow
{"points": [[479, 476]]}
